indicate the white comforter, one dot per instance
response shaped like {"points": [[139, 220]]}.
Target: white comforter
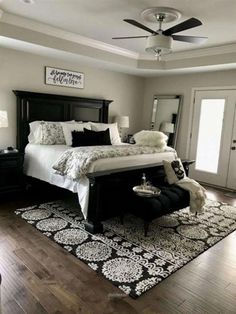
{"points": [[39, 160]]}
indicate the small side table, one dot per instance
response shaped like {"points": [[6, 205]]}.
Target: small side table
{"points": [[11, 172], [186, 163]]}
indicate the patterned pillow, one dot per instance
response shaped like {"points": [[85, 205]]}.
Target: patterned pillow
{"points": [[174, 170], [51, 133], [35, 136]]}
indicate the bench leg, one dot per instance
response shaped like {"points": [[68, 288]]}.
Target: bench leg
{"points": [[146, 225]]}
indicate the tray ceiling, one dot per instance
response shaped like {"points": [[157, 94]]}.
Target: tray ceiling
{"points": [[94, 23]]}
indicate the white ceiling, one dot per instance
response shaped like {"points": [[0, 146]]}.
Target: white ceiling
{"points": [[93, 23]]}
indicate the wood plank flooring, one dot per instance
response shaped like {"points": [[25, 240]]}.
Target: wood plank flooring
{"points": [[38, 276]]}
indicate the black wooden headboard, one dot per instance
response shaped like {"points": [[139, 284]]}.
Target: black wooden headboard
{"points": [[49, 107]]}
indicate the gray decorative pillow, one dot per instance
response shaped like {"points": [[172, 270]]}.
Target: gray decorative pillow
{"points": [[174, 170], [51, 133]]}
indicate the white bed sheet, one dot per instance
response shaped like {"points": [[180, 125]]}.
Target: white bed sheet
{"points": [[40, 158]]}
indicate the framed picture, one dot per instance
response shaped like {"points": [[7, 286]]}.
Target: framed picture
{"points": [[60, 77]]}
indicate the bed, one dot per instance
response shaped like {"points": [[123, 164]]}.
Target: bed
{"points": [[108, 182]]}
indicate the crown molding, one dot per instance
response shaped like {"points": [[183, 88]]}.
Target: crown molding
{"points": [[25, 35], [62, 34], [196, 53]]}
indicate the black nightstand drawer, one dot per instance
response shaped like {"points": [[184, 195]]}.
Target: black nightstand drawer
{"points": [[6, 163]]}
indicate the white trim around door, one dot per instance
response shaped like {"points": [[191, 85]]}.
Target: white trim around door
{"points": [[212, 135]]}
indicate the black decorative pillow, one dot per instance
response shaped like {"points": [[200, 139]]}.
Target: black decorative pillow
{"points": [[79, 139], [174, 170], [98, 137], [90, 138]]}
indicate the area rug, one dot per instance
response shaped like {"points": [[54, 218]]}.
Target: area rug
{"points": [[122, 254]]}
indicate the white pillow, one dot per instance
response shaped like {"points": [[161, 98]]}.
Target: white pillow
{"points": [[34, 136], [174, 170], [113, 129], [69, 127], [151, 138]]}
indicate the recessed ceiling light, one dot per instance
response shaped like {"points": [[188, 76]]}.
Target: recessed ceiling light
{"points": [[28, 1]]}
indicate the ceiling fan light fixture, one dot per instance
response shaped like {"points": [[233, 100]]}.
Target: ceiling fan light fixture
{"points": [[160, 41], [158, 45]]}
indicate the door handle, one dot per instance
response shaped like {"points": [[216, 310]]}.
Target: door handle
{"points": [[233, 148]]}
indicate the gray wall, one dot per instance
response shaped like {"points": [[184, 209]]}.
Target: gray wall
{"points": [[25, 71], [132, 95]]}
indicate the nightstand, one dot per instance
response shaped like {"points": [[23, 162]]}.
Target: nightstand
{"points": [[11, 172]]}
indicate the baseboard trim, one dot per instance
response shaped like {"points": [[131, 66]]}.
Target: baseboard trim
{"points": [[221, 188]]}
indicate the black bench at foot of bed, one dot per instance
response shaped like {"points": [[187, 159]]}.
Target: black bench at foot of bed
{"points": [[111, 194], [172, 198]]}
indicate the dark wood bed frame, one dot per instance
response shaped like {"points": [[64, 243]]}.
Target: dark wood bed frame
{"points": [[107, 189]]}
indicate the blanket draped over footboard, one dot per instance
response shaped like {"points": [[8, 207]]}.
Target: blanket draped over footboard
{"points": [[75, 162]]}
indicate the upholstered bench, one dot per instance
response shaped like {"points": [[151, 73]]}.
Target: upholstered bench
{"points": [[172, 198]]}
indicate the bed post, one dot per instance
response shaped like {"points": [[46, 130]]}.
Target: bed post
{"points": [[93, 223]]}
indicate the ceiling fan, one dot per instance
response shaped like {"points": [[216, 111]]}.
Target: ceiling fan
{"points": [[159, 42]]}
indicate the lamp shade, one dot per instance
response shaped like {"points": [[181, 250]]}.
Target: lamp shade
{"points": [[167, 127], [123, 121], [159, 43], [3, 119]]}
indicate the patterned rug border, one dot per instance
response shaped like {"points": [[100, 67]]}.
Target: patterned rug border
{"points": [[115, 249]]}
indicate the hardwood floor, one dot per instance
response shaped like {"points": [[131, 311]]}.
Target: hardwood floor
{"points": [[38, 276]]}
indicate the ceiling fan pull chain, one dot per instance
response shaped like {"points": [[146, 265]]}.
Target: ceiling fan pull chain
{"points": [[158, 54]]}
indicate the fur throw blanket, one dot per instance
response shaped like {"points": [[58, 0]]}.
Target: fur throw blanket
{"points": [[197, 194], [151, 138]]}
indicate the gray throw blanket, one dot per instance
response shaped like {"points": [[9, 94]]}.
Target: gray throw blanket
{"points": [[74, 163]]}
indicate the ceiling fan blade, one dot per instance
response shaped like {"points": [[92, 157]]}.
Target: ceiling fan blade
{"points": [[190, 39], [190, 23], [139, 25], [129, 37]]}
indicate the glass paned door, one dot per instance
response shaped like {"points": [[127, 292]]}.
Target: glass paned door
{"points": [[209, 134], [213, 118]]}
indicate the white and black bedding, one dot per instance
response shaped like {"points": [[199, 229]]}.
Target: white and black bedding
{"points": [[55, 114], [40, 159]]}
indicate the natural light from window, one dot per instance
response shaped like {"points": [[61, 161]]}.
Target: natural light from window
{"points": [[209, 134]]}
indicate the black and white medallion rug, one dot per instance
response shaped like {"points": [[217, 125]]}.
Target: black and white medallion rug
{"points": [[123, 255]]}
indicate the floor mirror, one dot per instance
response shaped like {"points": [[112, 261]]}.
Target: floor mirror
{"points": [[165, 116]]}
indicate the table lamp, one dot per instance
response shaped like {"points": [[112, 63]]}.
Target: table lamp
{"points": [[167, 127], [123, 123], [3, 119]]}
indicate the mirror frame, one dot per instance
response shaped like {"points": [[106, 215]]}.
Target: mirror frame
{"points": [[154, 112]]}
